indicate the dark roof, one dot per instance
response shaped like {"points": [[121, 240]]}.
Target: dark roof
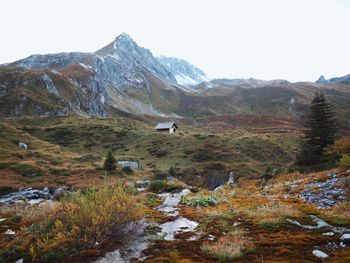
{"points": [[165, 125]]}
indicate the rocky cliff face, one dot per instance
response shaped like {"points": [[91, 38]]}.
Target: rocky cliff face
{"points": [[116, 76]]}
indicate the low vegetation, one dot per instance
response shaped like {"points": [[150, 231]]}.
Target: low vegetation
{"points": [[158, 186], [109, 163], [200, 200], [228, 247], [270, 212], [344, 162], [79, 221]]}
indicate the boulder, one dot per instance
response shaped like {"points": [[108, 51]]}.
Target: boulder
{"points": [[23, 146], [345, 239], [319, 254], [132, 164]]}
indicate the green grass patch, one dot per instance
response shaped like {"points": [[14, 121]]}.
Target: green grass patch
{"points": [[158, 186], [200, 200]]}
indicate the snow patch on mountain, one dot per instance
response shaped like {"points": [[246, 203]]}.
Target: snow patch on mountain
{"points": [[184, 72], [185, 80]]}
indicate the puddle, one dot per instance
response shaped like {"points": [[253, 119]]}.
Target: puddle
{"points": [[138, 241], [171, 201], [319, 223], [170, 208], [179, 225]]}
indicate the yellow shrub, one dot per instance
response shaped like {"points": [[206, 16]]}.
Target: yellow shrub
{"points": [[341, 146], [82, 219], [344, 162], [227, 247]]}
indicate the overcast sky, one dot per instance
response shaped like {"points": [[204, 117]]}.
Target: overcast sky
{"points": [[267, 39]]}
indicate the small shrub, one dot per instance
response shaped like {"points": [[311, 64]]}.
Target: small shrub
{"points": [[109, 163], [161, 153], [163, 186], [344, 162], [160, 175], [200, 200]]}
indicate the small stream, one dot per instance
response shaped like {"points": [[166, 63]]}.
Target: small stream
{"points": [[170, 208], [168, 230]]}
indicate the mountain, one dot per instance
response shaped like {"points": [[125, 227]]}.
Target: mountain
{"points": [[321, 79], [343, 79], [120, 76], [184, 72], [123, 77], [248, 83]]}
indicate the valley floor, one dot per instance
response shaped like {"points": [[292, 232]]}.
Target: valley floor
{"points": [[170, 215]]}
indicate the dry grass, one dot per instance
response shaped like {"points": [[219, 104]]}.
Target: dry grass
{"points": [[272, 212], [341, 211], [227, 247], [77, 222]]}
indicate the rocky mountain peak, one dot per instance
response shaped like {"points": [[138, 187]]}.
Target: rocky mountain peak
{"points": [[321, 79]]}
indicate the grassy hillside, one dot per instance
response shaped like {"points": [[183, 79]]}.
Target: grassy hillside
{"points": [[72, 142]]}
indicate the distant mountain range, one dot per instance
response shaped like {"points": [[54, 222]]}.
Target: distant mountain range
{"points": [[124, 77], [345, 79]]}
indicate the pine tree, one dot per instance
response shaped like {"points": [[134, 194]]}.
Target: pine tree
{"points": [[321, 129], [109, 163]]}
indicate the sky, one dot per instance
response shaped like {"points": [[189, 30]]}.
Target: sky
{"points": [[297, 40]]}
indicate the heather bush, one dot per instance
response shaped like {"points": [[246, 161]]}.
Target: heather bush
{"points": [[78, 221]]}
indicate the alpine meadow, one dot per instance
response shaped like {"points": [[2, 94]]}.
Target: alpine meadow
{"points": [[118, 153]]}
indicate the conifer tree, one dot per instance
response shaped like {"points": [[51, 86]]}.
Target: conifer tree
{"points": [[321, 129], [109, 163]]}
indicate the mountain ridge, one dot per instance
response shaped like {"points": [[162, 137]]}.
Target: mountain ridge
{"points": [[124, 77]]}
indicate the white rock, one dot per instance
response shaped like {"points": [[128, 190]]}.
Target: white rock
{"points": [[211, 237], [319, 254], [328, 234], [23, 146], [345, 238], [9, 232]]}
